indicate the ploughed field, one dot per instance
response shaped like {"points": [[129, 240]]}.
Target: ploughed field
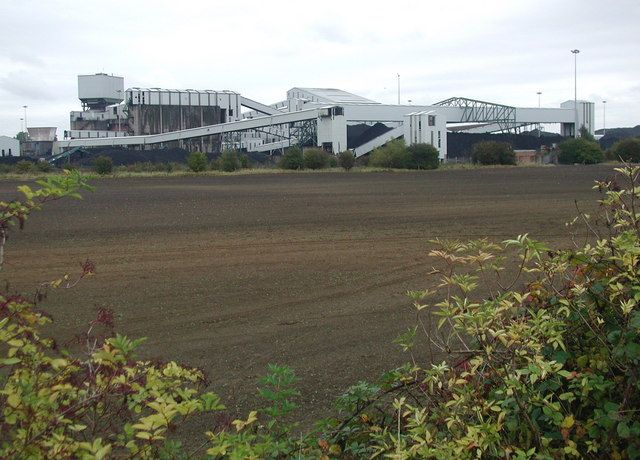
{"points": [[309, 270]]}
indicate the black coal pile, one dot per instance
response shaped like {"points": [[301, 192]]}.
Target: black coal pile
{"points": [[460, 145], [362, 133]]}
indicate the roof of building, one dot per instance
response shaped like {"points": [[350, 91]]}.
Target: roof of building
{"points": [[335, 96], [166, 90]]}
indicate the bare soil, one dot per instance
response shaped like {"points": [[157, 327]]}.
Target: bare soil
{"points": [[230, 273]]}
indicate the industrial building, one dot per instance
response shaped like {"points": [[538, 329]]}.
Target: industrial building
{"points": [[39, 142], [9, 147], [326, 117]]}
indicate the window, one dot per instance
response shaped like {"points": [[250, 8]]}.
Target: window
{"points": [[432, 120], [9, 152], [230, 112], [2, 152], [431, 137], [439, 140], [419, 125]]}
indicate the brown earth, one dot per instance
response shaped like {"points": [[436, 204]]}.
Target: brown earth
{"points": [[231, 273]]}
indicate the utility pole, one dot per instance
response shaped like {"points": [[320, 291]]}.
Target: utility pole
{"points": [[575, 90], [398, 89], [604, 118]]}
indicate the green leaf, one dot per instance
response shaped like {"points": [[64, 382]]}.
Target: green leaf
{"points": [[623, 430]]}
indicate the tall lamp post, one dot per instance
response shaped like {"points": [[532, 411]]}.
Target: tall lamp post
{"points": [[25, 121], [539, 126], [604, 118], [398, 89], [575, 90]]}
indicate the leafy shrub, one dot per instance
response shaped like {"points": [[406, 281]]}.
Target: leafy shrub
{"points": [[546, 371], [333, 161], [98, 403], [229, 161], [44, 166], [626, 150], [292, 158], [423, 156], [23, 166], [316, 159], [493, 153], [197, 161], [103, 165], [579, 151], [245, 161], [543, 365], [346, 160], [393, 154]]}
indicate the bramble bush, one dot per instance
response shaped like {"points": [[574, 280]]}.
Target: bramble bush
{"points": [[542, 363]]}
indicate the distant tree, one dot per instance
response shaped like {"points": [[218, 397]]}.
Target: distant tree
{"points": [[292, 158], [580, 151], [626, 150], [346, 160], [103, 165], [316, 159], [197, 162], [423, 156], [22, 136], [586, 135], [493, 153]]}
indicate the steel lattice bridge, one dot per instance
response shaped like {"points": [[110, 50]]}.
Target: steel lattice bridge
{"points": [[474, 111]]}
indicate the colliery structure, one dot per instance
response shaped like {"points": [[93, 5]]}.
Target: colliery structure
{"points": [[211, 121]]}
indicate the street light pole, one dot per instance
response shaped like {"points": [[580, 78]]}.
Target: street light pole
{"points": [[25, 121], [539, 126], [575, 90], [604, 118], [398, 89]]}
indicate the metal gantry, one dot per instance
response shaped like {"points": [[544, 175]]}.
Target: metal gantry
{"points": [[474, 111]]}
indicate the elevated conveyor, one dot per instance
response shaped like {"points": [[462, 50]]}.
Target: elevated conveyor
{"points": [[379, 141], [234, 126], [258, 106]]}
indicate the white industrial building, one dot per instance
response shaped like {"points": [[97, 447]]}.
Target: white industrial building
{"points": [[9, 147], [155, 118]]}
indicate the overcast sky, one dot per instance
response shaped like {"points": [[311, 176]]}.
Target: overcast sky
{"points": [[498, 51]]}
